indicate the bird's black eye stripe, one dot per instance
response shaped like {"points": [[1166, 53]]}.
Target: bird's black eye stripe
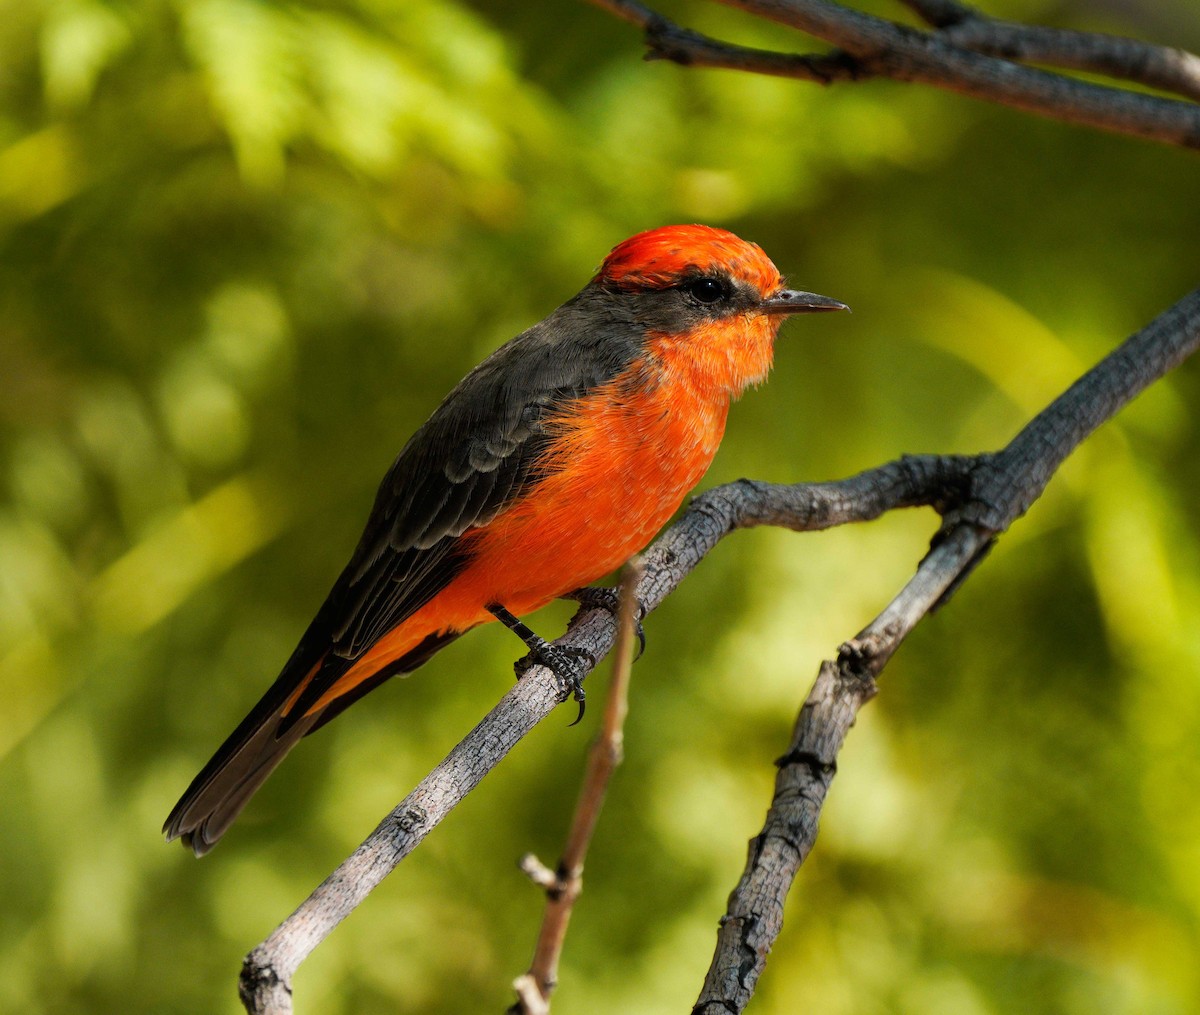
{"points": [[707, 290]]}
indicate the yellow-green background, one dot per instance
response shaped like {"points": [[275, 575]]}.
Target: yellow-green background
{"points": [[246, 247]]}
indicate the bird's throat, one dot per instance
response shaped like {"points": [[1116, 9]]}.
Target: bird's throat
{"points": [[717, 361]]}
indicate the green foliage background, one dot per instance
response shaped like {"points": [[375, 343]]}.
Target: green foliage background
{"points": [[245, 247]]}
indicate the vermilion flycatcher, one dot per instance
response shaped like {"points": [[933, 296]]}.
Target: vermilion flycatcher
{"points": [[547, 467]]}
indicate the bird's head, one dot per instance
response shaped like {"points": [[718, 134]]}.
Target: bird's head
{"points": [[706, 297]]}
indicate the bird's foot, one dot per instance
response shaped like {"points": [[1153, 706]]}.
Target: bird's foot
{"points": [[566, 663], [604, 597]]}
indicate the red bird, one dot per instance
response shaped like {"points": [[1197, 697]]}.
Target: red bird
{"points": [[547, 467]]}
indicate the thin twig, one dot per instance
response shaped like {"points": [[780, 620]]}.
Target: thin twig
{"points": [[563, 886], [530, 1000]]}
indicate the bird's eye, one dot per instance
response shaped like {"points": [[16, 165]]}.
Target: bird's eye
{"points": [[706, 290]]}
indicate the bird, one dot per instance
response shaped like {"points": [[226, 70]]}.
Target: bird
{"points": [[548, 466]]}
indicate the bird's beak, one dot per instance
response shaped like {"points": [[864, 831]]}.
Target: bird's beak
{"points": [[789, 301]]}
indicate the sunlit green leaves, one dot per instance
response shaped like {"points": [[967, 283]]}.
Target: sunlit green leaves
{"points": [[252, 57], [80, 38], [281, 76]]}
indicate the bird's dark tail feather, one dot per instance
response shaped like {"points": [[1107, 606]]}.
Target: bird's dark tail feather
{"points": [[218, 794], [261, 741]]}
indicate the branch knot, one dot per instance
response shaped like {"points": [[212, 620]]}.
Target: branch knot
{"points": [[818, 767]]}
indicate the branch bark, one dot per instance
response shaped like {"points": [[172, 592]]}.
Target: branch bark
{"points": [[967, 53]]}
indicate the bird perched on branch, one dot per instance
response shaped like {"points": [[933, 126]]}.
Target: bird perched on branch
{"points": [[547, 467]]}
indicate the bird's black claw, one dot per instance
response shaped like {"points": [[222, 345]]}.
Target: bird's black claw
{"points": [[603, 597], [566, 663], [580, 697]]}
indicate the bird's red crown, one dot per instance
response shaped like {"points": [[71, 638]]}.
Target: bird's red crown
{"points": [[660, 257]]}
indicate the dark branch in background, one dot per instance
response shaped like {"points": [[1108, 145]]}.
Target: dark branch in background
{"points": [[668, 41], [978, 497], [1162, 67], [965, 52]]}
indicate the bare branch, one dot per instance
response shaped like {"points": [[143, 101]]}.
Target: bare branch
{"points": [[906, 54], [754, 916], [1008, 483], [1162, 67], [963, 57], [1004, 486], [563, 886]]}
